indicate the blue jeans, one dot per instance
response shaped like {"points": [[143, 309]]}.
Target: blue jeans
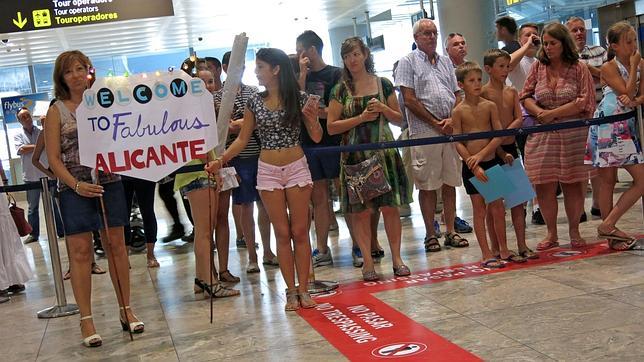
{"points": [[33, 214]]}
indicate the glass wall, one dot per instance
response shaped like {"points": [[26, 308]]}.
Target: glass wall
{"points": [[544, 11]]}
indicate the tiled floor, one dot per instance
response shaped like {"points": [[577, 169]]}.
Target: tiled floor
{"points": [[588, 309]]}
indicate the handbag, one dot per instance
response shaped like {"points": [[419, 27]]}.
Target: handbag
{"points": [[366, 180], [18, 215], [228, 178]]}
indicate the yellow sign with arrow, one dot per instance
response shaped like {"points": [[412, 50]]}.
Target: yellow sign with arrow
{"points": [[20, 22]]}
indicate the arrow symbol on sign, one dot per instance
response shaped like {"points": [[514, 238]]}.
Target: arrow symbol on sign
{"points": [[20, 22]]}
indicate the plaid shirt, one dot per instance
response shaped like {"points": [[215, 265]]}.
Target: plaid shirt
{"points": [[435, 86]]}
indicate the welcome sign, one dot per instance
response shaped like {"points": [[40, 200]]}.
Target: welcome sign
{"points": [[145, 126]]}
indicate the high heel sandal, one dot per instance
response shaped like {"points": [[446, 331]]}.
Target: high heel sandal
{"points": [[134, 327], [94, 340], [292, 300], [306, 301], [216, 290]]}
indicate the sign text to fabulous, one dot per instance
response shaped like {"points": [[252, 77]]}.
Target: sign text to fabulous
{"points": [[124, 126]]}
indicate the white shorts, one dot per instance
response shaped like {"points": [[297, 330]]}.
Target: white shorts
{"points": [[435, 165]]}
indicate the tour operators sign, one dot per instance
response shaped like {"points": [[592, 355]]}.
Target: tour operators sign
{"points": [[145, 126]]}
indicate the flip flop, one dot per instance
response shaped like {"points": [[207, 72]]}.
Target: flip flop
{"points": [[493, 263], [577, 243], [96, 269], [529, 254], [545, 245], [514, 258], [612, 243], [612, 235]]}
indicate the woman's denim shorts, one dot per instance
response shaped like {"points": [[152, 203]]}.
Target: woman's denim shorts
{"points": [[83, 214], [198, 184]]}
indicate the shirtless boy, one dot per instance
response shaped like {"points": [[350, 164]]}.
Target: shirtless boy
{"points": [[475, 114], [496, 63]]}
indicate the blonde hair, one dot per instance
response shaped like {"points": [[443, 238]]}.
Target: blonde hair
{"points": [[464, 69], [64, 61]]}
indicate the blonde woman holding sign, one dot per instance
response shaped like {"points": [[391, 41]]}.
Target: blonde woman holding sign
{"points": [[79, 199]]}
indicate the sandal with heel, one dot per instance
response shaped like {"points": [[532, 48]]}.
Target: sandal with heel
{"points": [[94, 340], [135, 327]]}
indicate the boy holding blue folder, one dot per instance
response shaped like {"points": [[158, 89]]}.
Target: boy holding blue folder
{"points": [[475, 114], [497, 65]]}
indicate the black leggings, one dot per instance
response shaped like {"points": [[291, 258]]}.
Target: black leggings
{"points": [[145, 197], [166, 193]]}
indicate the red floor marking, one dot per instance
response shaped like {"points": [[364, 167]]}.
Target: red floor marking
{"points": [[362, 327]]}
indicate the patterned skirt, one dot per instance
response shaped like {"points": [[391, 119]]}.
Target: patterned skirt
{"points": [[557, 156]]}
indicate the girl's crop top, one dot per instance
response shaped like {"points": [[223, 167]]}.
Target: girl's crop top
{"points": [[273, 134]]}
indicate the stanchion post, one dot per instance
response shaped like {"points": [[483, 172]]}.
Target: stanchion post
{"points": [[317, 286], [61, 309]]}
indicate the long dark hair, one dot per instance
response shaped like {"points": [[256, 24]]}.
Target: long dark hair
{"points": [[289, 90], [347, 47], [569, 53]]}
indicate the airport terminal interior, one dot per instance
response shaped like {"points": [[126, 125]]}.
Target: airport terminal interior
{"points": [[571, 304]]}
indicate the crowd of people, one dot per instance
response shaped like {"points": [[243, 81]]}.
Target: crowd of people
{"points": [[545, 76]]}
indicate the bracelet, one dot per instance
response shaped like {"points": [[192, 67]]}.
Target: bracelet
{"points": [[77, 186]]}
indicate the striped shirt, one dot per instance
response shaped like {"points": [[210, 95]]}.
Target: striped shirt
{"points": [[434, 84], [595, 56], [245, 91]]}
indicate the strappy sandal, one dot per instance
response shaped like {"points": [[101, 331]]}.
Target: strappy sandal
{"points": [[455, 240], [432, 245], [135, 327], [227, 277], [370, 276], [529, 254], [94, 340], [220, 291], [306, 301], [292, 300], [402, 270]]}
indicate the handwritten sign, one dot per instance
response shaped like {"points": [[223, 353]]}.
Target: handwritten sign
{"points": [[145, 126]]}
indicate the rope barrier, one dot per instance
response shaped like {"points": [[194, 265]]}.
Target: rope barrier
{"points": [[407, 143]]}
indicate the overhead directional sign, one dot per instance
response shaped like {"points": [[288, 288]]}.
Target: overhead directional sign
{"points": [[20, 15]]}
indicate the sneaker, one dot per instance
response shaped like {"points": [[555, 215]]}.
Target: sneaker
{"points": [[322, 259], [437, 229], [16, 288], [176, 233], [31, 239], [461, 226], [241, 243], [405, 210], [356, 254], [537, 218], [190, 238]]}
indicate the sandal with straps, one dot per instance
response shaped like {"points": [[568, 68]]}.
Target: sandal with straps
{"points": [[292, 300], [220, 291], [370, 276], [135, 327], [306, 301], [432, 244], [94, 340], [455, 240]]}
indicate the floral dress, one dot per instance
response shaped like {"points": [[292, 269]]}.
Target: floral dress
{"points": [[614, 144], [368, 132]]}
